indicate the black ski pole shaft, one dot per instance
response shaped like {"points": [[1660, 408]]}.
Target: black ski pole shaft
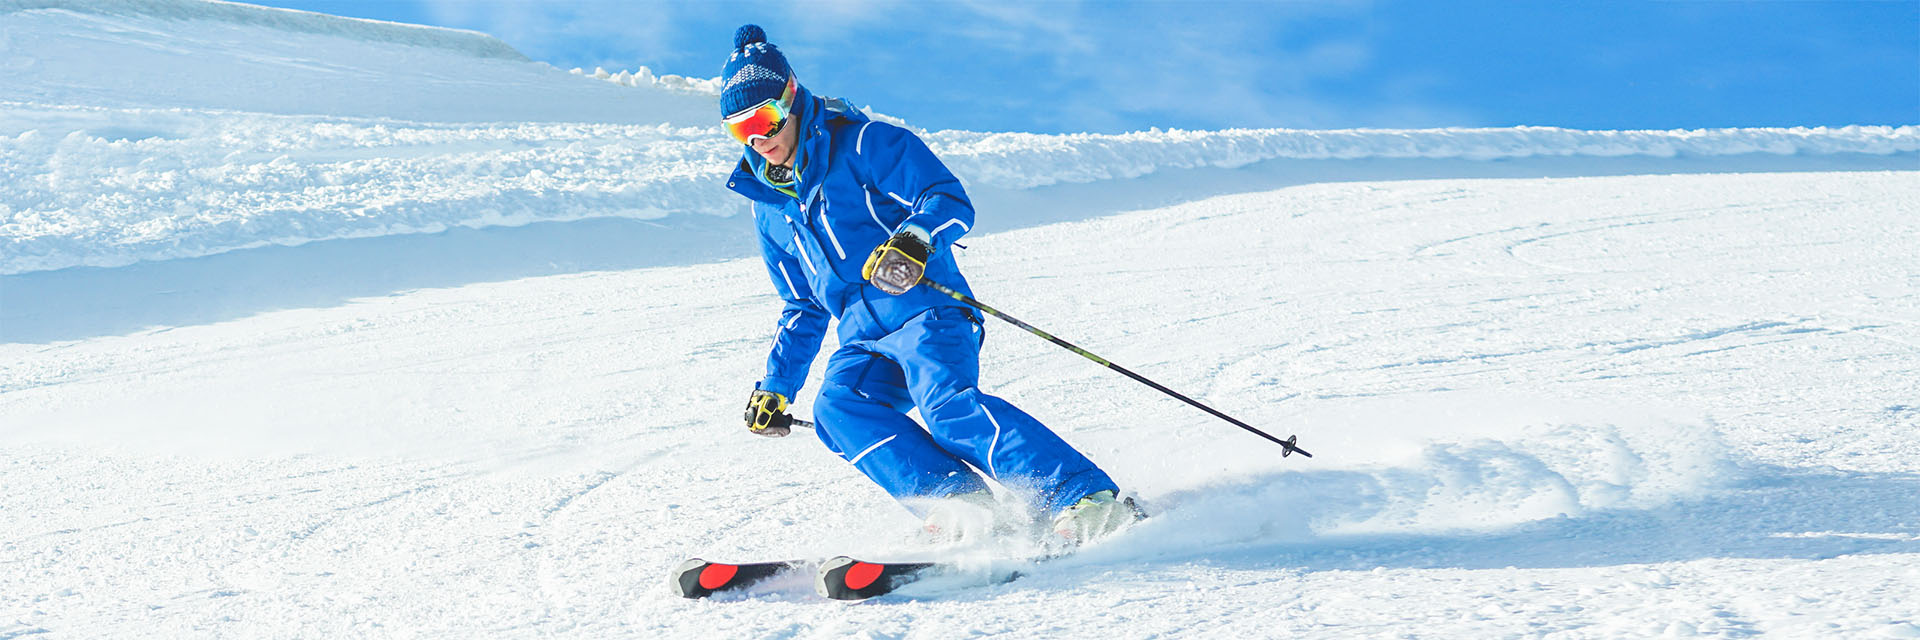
{"points": [[1291, 448]]}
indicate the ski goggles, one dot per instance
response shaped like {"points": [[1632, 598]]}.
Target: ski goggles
{"points": [[763, 120]]}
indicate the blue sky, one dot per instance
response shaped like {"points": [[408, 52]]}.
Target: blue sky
{"points": [[1059, 66]]}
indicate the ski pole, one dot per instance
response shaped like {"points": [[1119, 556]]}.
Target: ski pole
{"points": [[1288, 443]]}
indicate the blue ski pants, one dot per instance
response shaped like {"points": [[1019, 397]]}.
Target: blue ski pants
{"points": [[933, 363]]}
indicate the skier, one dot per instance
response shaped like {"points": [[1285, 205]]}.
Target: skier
{"points": [[851, 214]]}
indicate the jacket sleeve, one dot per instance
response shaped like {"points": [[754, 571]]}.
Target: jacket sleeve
{"points": [[898, 164], [803, 322]]}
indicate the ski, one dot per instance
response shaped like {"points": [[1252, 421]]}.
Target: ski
{"points": [[697, 578], [840, 578], [847, 578]]}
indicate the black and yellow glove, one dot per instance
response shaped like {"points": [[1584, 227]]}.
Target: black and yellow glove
{"points": [[767, 414], [897, 264]]}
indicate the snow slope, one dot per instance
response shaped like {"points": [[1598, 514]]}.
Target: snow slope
{"points": [[1619, 406], [367, 371], [191, 55]]}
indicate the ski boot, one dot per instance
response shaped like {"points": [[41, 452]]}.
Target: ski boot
{"points": [[1093, 517], [961, 519]]}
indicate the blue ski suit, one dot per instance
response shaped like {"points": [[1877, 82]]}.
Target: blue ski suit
{"points": [[859, 182]]}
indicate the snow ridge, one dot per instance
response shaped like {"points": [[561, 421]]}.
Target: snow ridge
{"points": [[110, 187], [471, 43], [645, 77], [1025, 160]]}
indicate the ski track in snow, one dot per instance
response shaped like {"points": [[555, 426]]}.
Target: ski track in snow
{"points": [[418, 356]]}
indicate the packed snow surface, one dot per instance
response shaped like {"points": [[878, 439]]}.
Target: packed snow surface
{"points": [[441, 361]]}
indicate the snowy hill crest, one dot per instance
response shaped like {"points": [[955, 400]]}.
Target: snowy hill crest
{"points": [[468, 42]]}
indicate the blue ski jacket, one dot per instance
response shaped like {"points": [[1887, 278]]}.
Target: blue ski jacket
{"points": [[860, 181]]}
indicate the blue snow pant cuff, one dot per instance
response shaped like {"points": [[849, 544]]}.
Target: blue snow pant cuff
{"points": [[1075, 487]]}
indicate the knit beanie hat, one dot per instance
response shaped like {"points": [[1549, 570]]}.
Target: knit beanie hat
{"points": [[754, 73]]}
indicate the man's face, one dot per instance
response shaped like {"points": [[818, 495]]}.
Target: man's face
{"points": [[779, 148]]}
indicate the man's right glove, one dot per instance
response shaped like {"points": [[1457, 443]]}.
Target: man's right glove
{"points": [[767, 414], [896, 265]]}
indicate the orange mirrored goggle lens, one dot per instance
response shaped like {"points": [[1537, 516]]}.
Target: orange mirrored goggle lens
{"points": [[762, 120]]}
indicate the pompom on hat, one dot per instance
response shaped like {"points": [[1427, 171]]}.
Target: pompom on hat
{"points": [[755, 73]]}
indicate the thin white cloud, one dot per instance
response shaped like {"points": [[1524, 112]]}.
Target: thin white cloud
{"points": [[1223, 64], [1067, 65]]}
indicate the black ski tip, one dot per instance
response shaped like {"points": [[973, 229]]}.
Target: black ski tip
{"points": [[686, 579], [829, 579]]}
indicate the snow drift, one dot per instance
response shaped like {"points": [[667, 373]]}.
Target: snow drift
{"points": [[109, 187]]}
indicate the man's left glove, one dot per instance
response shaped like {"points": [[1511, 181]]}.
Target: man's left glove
{"points": [[897, 264], [767, 414]]}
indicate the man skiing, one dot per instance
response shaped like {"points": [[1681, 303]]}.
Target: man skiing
{"points": [[851, 214]]}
